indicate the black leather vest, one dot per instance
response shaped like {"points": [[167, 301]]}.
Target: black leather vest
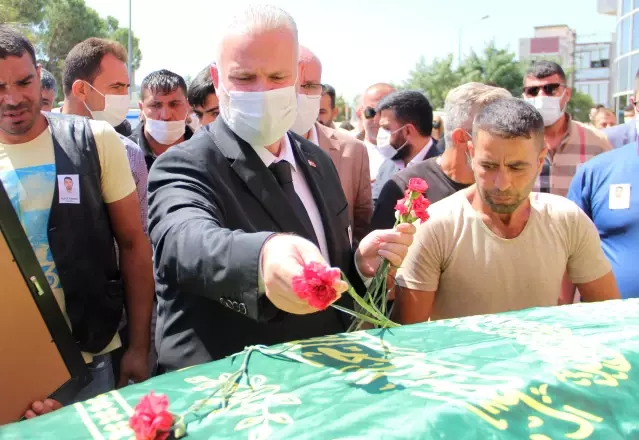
{"points": [[81, 238]]}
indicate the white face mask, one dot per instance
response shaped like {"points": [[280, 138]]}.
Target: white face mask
{"points": [[384, 144], [548, 106], [165, 132], [308, 107], [115, 108], [259, 118]]}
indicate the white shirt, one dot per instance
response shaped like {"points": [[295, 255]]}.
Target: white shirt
{"points": [[375, 158], [301, 188], [313, 137], [418, 158]]}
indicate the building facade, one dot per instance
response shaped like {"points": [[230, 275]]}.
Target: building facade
{"points": [[626, 61], [593, 71], [552, 43]]}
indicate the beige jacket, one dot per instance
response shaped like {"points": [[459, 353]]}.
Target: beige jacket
{"points": [[351, 160]]}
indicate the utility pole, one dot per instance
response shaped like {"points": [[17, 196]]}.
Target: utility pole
{"points": [[130, 58]]}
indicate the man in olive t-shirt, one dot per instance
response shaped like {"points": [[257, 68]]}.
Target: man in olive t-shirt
{"points": [[496, 246], [450, 172]]}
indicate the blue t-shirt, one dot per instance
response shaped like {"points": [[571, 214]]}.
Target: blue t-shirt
{"points": [[607, 189]]}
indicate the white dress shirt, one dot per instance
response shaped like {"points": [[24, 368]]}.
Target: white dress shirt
{"points": [[375, 158], [418, 158], [301, 188]]}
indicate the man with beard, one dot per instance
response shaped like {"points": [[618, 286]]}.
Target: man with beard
{"points": [[496, 246], [405, 125]]}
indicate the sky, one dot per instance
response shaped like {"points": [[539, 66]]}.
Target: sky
{"points": [[360, 42]]}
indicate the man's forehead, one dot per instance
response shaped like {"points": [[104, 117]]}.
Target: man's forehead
{"points": [[16, 68], [387, 116], [531, 81], [312, 71], [487, 144], [255, 48], [175, 95]]}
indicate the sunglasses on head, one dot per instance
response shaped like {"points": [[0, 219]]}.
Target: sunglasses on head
{"points": [[549, 89], [369, 113]]}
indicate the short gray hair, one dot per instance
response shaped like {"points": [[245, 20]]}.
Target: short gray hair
{"points": [[464, 102], [258, 18]]}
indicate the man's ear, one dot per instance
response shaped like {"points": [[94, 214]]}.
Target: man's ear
{"points": [[79, 90], [335, 113], [459, 137], [215, 76]]}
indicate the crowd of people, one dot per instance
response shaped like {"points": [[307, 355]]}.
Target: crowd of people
{"points": [[175, 243]]}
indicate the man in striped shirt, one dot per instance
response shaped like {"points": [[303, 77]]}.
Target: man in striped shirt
{"points": [[570, 143]]}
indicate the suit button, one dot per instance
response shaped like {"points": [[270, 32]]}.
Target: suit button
{"points": [[236, 306], [223, 300], [243, 310]]}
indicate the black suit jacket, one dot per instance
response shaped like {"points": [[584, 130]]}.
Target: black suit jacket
{"points": [[213, 203]]}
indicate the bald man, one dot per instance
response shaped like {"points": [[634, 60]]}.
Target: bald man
{"points": [[377, 154], [347, 153]]}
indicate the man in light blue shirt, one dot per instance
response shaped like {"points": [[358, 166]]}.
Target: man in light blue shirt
{"points": [[607, 189]]}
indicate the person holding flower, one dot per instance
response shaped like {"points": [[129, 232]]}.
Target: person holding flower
{"points": [[237, 212], [497, 246]]}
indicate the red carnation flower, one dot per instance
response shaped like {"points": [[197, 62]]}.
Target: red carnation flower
{"points": [[315, 285], [420, 208], [151, 419], [417, 185], [401, 207]]}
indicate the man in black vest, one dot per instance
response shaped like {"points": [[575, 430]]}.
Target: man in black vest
{"points": [[236, 210], [72, 232]]}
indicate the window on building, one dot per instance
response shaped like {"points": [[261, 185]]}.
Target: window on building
{"points": [[605, 63], [635, 36], [626, 7], [625, 35], [623, 82], [634, 68]]}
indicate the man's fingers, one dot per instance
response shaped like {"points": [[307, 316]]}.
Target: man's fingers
{"points": [[340, 287], [37, 407], [29, 414], [407, 228], [398, 249], [394, 259]]}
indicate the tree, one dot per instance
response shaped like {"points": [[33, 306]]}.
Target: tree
{"points": [[495, 67], [579, 106], [56, 26], [435, 80], [66, 23], [340, 103], [121, 35]]}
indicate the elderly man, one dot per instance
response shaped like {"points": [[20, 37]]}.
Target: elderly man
{"points": [[496, 246], [238, 209], [450, 172], [369, 119], [348, 154]]}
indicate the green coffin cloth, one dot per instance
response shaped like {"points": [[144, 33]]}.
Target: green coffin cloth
{"points": [[550, 373]]}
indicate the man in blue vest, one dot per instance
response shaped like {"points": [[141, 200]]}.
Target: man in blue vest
{"points": [[38, 153]]}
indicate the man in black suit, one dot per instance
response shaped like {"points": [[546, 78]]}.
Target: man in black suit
{"points": [[406, 124], [236, 210]]}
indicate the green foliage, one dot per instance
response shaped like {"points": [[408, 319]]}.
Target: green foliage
{"points": [[56, 26], [493, 66], [579, 106], [340, 103]]}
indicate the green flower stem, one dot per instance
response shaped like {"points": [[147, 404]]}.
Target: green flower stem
{"points": [[362, 318]]}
